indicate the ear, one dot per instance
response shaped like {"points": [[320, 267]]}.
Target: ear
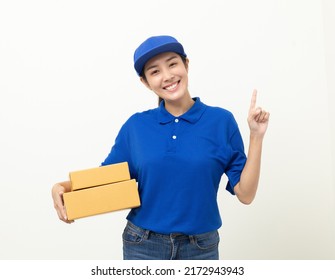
{"points": [[186, 63], [145, 82]]}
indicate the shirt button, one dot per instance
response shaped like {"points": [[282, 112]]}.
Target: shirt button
{"points": [[174, 137], [176, 120]]}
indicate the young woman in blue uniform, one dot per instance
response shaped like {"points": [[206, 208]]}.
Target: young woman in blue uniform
{"points": [[178, 153]]}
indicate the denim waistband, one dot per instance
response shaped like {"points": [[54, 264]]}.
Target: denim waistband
{"points": [[176, 235]]}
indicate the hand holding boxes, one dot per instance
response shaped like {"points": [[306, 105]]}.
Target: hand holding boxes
{"points": [[100, 190]]}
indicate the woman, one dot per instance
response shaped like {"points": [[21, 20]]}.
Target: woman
{"points": [[178, 153]]}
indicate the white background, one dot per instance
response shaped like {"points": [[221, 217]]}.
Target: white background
{"points": [[67, 84]]}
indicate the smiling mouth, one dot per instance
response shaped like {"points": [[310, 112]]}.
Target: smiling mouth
{"points": [[172, 86]]}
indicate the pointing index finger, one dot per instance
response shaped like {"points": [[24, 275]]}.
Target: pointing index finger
{"points": [[253, 99]]}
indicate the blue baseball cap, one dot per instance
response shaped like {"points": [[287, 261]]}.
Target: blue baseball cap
{"points": [[153, 46]]}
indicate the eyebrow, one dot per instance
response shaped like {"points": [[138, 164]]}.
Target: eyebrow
{"points": [[167, 60]]}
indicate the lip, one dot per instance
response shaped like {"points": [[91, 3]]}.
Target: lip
{"points": [[172, 87]]}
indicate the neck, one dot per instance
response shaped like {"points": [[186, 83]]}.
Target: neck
{"points": [[178, 108]]}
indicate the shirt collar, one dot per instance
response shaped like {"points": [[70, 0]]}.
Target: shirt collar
{"points": [[192, 115]]}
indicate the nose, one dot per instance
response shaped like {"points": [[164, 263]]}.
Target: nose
{"points": [[167, 75]]}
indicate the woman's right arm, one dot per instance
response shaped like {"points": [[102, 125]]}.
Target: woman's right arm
{"points": [[57, 196]]}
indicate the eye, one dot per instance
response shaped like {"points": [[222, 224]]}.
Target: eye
{"points": [[154, 72], [173, 64]]}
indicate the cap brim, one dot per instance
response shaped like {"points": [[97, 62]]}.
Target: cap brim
{"points": [[171, 47]]}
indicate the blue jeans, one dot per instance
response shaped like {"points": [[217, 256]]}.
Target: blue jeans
{"points": [[142, 244]]}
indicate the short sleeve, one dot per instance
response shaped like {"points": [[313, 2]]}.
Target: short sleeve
{"points": [[120, 150], [236, 162]]}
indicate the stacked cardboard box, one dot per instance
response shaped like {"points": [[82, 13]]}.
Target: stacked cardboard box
{"points": [[100, 190]]}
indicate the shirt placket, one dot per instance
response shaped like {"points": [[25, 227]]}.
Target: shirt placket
{"points": [[173, 141]]}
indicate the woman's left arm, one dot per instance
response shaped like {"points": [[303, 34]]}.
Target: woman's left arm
{"points": [[258, 120]]}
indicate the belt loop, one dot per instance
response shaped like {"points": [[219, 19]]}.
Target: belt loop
{"points": [[192, 240], [146, 234]]}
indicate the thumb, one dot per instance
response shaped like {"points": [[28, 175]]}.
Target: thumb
{"points": [[60, 203]]}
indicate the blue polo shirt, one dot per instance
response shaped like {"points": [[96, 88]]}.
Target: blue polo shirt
{"points": [[178, 163]]}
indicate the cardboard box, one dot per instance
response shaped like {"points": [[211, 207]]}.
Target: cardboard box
{"points": [[102, 199], [99, 176]]}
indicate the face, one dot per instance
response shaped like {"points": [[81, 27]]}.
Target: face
{"points": [[167, 75]]}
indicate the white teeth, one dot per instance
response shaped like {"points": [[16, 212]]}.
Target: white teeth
{"points": [[171, 87]]}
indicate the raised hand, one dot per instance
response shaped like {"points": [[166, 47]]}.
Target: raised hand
{"points": [[258, 118]]}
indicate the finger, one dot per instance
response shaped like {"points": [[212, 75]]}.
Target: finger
{"points": [[253, 99], [259, 114], [68, 221], [60, 206], [62, 216], [255, 113], [263, 116]]}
